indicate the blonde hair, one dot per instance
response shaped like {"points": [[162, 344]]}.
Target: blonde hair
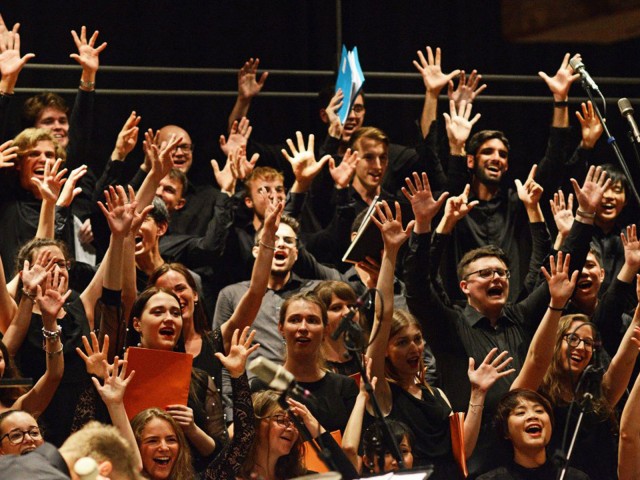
{"points": [[29, 137]]}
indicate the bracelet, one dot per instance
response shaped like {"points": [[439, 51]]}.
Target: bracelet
{"points": [[555, 309], [51, 334], [474, 406], [88, 85], [30, 296], [5, 94], [585, 214], [267, 246], [51, 354], [562, 104]]}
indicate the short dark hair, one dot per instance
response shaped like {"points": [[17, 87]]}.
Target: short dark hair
{"points": [[481, 252], [372, 436], [177, 174], [615, 174], [510, 401], [357, 222], [594, 249], [34, 106], [476, 141]]}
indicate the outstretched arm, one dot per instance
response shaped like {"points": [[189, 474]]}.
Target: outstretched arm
{"points": [[628, 458], [559, 85], [11, 63], [88, 57], [303, 162], [249, 85], [8, 307]]}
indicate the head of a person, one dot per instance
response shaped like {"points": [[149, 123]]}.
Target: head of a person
{"points": [[154, 226], [404, 355], [35, 147], [19, 433], [276, 438], [8, 370], [163, 446], [372, 441], [484, 277], [354, 120], [182, 154], [286, 253], [614, 198], [589, 281], [177, 278], [525, 419], [156, 319], [172, 190], [49, 111], [488, 156], [302, 322], [37, 247], [263, 186], [372, 145], [338, 298]]}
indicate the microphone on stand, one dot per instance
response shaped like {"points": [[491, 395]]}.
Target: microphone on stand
{"points": [[347, 319], [578, 67], [626, 110], [277, 378]]}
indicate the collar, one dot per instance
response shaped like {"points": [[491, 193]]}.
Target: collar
{"points": [[473, 317]]}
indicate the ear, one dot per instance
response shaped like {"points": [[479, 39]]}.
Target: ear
{"points": [[323, 115], [464, 286], [136, 324], [162, 228], [248, 202], [470, 161], [280, 328], [602, 274], [353, 235], [254, 251], [181, 203], [105, 468]]}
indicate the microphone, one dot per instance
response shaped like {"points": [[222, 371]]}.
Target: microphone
{"points": [[86, 468], [578, 67], [626, 110], [276, 377], [347, 319]]}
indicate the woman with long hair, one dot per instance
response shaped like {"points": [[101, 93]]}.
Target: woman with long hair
{"points": [[396, 350]]}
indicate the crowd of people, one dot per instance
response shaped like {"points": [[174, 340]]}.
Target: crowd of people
{"points": [[502, 302]]}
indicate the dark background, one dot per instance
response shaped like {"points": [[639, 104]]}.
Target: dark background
{"points": [[300, 35]]}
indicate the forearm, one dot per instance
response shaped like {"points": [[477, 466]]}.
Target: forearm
{"points": [[628, 460], [113, 271], [46, 220], [8, 307], [119, 419], [129, 288], [203, 443], [429, 112], [147, 190], [17, 330], [617, 376], [240, 109], [473, 420], [353, 431]]}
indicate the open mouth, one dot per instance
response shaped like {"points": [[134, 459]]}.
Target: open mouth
{"points": [[303, 340], [585, 284], [576, 357], [608, 207], [138, 241], [167, 331], [414, 362], [179, 162], [534, 429], [162, 461], [28, 450], [493, 169], [496, 291], [349, 126]]}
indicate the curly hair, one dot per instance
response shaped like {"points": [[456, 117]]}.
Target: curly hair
{"points": [[182, 469], [265, 404], [29, 137]]}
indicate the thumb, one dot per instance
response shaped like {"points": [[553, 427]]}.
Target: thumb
{"points": [[216, 168], [472, 364]]}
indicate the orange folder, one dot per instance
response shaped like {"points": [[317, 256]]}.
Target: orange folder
{"points": [[311, 459], [162, 378]]}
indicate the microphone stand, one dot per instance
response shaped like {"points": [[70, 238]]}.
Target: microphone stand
{"points": [[611, 141], [586, 401], [323, 453], [354, 343]]}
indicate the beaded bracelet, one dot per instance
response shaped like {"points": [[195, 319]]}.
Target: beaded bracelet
{"points": [[51, 354], [51, 334]]}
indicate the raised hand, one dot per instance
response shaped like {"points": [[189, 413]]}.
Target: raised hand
{"points": [[561, 82], [489, 371], [561, 284], [96, 358], [52, 180], [590, 194], [241, 348], [238, 136], [631, 246], [335, 125], [36, 274], [55, 294], [369, 271], [303, 159], [127, 137], [183, 416], [562, 212], [459, 126], [159, 157], [150, 138], [119, 211], [272, 217], [393, 234], [432, 75], [343, 173], [531, 191], [301, 411], [248, 83], [424, 206], [590, 125], [8, 154], [228, 176], [70, 191], [467, 89], [88, 55], [115, 383], [458, 207], [11, 63]]}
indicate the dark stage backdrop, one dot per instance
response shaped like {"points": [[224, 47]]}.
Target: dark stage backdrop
{"points": [[301, 35]]}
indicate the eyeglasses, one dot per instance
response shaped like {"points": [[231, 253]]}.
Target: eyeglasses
{"points": [[358, 108], [490, 272], [185, 147], [16, 437], [573, 340], [282, 419], [63, 264]]}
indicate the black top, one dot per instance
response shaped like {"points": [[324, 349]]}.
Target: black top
{"points": [[548, 471]]}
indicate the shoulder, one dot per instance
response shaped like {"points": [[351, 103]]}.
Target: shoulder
{"points": [[500, 473]]}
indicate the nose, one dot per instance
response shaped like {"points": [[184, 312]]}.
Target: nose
{"points": [[159, 191]]}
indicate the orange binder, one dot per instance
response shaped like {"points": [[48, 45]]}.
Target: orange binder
{"points": [[456, 424]]}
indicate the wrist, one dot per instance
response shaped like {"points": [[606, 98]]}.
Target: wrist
{"points": [[118, 155], [422, 226], [554, 306], [457, 149], [29, 294]]}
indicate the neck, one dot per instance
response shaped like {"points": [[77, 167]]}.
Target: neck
{"points": [[587, 306], [366, 193], [483, 191], [304, 369], [265, 465], [530, 459], [492, 313], [188, 329], [149, 261], [605, 225], [278, 281], [257, 222], [334, 350]]}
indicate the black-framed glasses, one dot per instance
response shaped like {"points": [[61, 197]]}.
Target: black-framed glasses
{"points": [[185, 147], [487, 273], [16, 437], [358, 108], [63, 264], [573, 340], [282, 419]]}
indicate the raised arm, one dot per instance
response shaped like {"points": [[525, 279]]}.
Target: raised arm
{"points": [[50, 303], [249, 304], [540, 353], [562, 215], [393, 235], [559, 85], [88, 57], [628, 458], [8, 307], [249, 85], [161, 164], [11, 63], [303, 162]]}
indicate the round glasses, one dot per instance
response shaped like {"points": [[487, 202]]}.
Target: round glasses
{"points": [[574, 341], [16, 437]]}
